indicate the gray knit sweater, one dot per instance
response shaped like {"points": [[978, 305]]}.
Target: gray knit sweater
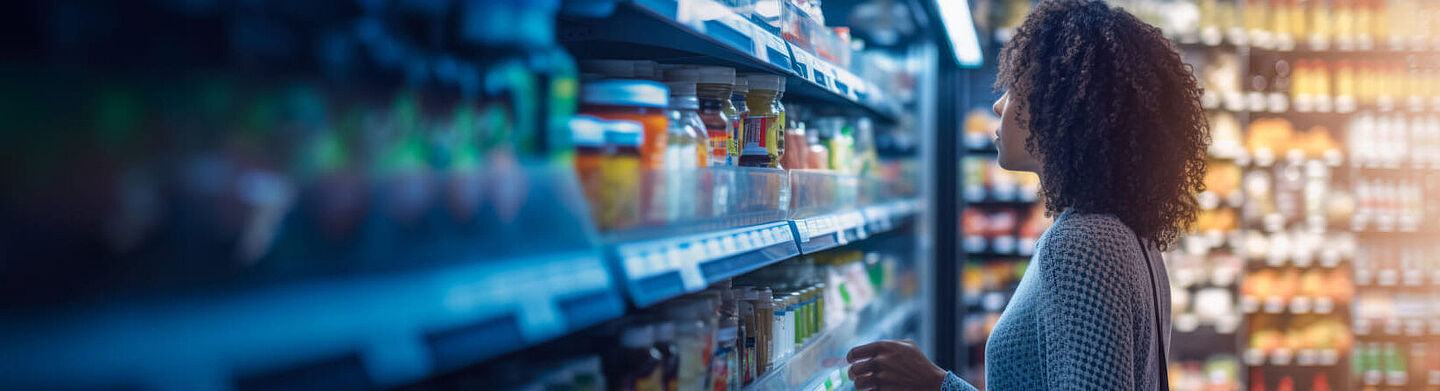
{"points": [[1083, 316]]}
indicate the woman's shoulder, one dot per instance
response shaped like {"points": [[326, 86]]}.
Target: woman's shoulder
{"points": [[1096, 233], [1086, 248]]}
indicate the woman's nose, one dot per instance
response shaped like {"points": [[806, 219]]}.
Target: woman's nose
{"points": [[999, 106]]}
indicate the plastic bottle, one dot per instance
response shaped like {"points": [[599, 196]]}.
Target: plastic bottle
{"points": [[620, 175], [683, 98], [818, 158], [725, 367], [715, 87], [764, 334], [690, 341], [745, 305], [669, 355], [796, 155], [644, 102], [632, 100], [640, 368], [737, 120], [762, 123], [588, 135], [777, 146], [780, 345]]}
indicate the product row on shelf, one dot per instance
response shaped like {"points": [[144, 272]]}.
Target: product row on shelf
{"points": [[1002, 229], [1303, 25], [470, 180], [774, 329], [829, 65]]}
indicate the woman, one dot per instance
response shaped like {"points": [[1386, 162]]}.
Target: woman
{"points": [[1102, 108]]}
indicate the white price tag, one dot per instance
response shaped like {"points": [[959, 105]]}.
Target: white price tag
{"points": [[689, 270]]}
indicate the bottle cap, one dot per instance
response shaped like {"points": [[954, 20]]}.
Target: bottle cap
{"points": [[762, 81], [717, 75], [665, 332], [638, 336], [642, 93], [681, 88], [613, 69], [741, 85], [587, 131], [684, 74], [644, 69], [624, 133]]}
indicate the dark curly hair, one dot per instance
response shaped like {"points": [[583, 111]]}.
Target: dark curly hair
{"points": [[1114, 116]]}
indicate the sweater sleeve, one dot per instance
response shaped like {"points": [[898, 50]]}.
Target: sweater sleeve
{"points": [[1085, 328], [953, 383]]}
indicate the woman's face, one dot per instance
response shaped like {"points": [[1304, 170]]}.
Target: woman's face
{"points": [[1010, 139]]}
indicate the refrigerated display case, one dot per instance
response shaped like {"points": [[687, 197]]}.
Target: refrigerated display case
{"points": [[463, 194]]}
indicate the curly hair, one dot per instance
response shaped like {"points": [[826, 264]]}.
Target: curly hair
{"points": [[1114, 116]]}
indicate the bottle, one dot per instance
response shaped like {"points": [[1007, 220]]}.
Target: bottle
{"points": [[644, 102], [745, 305], [683, 98], [619, 197], [798, 146], [690, 339], [715, 87], [588, 136], [632, 100], [818, 158], [737, 99], [761, 123], [764, 333], [669, 355], [640, 366], [776, 144], [725, 367], [780, 345]]}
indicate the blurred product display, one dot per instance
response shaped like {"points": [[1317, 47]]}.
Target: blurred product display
{"points": [[1307, 268], [457, 194]]}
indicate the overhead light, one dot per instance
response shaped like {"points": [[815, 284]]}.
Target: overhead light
{"points": [[960, 29]]}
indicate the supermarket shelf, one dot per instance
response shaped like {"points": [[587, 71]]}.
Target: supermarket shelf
{"points": [[1296, 305], [1396, 328], [724, 38], [1283, 357], [1395, 278], [820, 364], [1000, 246], [658, 269], [415, 324]]}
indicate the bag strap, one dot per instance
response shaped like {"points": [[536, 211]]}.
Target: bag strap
{"points": [[1164, 381]]}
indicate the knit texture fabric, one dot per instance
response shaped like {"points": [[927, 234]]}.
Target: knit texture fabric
{"points": [[1083, 316]]}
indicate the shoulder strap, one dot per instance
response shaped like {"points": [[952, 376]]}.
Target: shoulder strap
{"points": [[1164, 381]]}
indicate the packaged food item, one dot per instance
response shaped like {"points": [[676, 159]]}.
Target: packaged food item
{"points": [[759, 147], [725, 366], [644, 102], [588, 135], [715, 87], [684, 109], [638, 365], [738, 95], [691, 339], [818, 157], [618, 196], [669, 355], [632, 100], [796, 153]]}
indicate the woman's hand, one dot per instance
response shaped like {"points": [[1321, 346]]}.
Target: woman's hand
{"points": [[893, 365]]}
